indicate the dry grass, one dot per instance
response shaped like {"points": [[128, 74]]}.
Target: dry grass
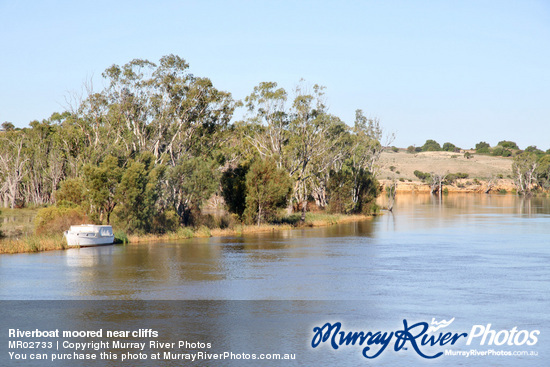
{"points": [[480, 166], [312, 220], [32, 244], [35, 243]]}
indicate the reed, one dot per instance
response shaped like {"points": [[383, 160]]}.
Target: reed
{"points": [[35, 243], [32, 243]]}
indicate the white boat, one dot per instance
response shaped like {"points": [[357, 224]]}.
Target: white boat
{"points": [[89, 235]]}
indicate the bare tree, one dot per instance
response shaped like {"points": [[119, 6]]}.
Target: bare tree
{"points": [[12, 165], [524, 169]]}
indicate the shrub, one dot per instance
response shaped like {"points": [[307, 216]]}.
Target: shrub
{"points": [[449, 147], [483, 148], [233, 183], [395, 149], [392, 168], [431, 146], [57, 219], [268, 188], [121, 237], [410, 149], [71, 190], [341, 188], [501, 152], [423, 176], [508, 144]]}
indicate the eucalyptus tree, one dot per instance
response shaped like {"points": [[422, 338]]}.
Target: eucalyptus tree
{"points": [[13, 165], [271, 121], [267, 189], [308, 128], [190, 112], [128, 96], [189, 183], [524, 169], [337, 138], [101, 183]]}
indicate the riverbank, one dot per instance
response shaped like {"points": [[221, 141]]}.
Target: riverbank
{"points": [[312, 220], [35, 243]]}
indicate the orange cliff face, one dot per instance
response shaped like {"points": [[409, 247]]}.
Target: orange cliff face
{"points": [[461, 186]]}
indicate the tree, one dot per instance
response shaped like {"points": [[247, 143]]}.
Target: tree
{"points": [[524, 170], [483, 147], [543, 172], [431, 146], [352, 192], [268, 188], [450, 147], [8, 126], [101, 183], [13, 164], [233, 183], [137, 194], [189, 183], [508, 144], [71, 190], [271, 121], [307, 142], [436, 183]]}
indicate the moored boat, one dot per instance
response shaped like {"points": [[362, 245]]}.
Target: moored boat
{"points": [[89, 235]]}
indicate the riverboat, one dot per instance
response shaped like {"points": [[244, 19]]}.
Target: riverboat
{"points": [[89, 235]]}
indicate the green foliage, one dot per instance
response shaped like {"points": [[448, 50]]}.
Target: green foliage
{"points": [[233, 183], [449, 147], [137, 193], [431, 146], [268, 188], [543, 172], [58, 219], [483, 148], [468, 155], [410, 149], [352, 192], [508, 144], [120, 237], [452, 177], [501, 151], [395, 149], [534, 149], [423, 176], [190, 183], [524, 169], [101, 183], [71, 190]]}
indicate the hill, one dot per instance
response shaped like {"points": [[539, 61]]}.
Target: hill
{"points": [[482, 170]]}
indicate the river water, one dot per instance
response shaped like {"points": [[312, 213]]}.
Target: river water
{"points": [[480, 259]]}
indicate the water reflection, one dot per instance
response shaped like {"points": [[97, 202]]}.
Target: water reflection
{"points": [[426, 242]]}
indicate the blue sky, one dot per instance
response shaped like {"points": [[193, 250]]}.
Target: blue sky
{"points": [[458, 71]]}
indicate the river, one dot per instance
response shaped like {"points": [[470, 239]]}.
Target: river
{"points": [[480, 259]]}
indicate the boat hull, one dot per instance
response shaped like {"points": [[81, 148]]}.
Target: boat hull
{"points": [[81, 241], [89, 235]]}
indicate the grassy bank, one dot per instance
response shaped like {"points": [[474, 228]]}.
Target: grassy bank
{"points": [[32, 243], [36, 243], [291, 222]]}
